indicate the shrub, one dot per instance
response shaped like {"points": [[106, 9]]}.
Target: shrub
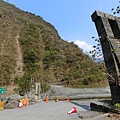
{"points": [[44, 87], [24, 83]]}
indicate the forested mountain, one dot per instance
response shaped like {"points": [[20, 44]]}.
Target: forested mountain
{"points": [[30, 46]]}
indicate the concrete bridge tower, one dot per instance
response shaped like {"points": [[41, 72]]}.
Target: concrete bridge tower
{"points": [[108, 28]]}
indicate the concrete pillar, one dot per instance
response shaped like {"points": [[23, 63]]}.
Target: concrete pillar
{"points": [[108, 28]]}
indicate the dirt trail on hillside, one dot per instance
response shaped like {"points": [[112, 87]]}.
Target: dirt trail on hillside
{"points": [[19, 60]]}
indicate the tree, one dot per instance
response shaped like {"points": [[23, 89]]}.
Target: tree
{"points": [[97, 53], [116, 10], [24, 84]]}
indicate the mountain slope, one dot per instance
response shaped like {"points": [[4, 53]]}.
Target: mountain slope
{"points": [[31, 46]]}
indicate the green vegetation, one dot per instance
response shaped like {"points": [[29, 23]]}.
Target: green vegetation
{"points": [[45, 56], [44, 87], [24, 84], [117, 105]]}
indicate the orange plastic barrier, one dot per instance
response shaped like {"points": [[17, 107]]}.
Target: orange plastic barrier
{"points": [[24, 102], [2, 104]]}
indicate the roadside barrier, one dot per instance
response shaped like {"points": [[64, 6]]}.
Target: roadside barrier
{"points": [[23, 102], [2, 104]]}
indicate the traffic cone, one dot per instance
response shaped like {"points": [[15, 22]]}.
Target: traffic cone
{"points": [[68, 99], [22, 101], [20, 105], [74, 110], [46, 99], [57, 99], [26, 102]]}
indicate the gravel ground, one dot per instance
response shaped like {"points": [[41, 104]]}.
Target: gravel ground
{"points": [[74, 93]]}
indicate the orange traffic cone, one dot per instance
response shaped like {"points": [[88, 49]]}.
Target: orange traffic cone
{"points": [[26, 102], [57, 99], [74, 110], [46, 99], [68, 99]]}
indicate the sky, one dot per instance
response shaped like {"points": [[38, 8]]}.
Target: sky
{"points": [[71, 18]]}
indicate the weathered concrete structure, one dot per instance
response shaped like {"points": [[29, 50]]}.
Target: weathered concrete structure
{"points": [[108, 28]]}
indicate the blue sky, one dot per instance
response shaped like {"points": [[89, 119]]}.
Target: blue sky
{"points": [[71, 18]]}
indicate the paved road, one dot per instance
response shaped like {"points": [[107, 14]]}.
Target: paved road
{"points": [[55, 110], [44, 111]]}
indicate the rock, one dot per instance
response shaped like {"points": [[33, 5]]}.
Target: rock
{"points": [[8, 100], [103, 108], [12, 104], [99, 108]]}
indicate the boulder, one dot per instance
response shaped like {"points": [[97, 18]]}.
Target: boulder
{"points": [[12, 104], [103, 108]]}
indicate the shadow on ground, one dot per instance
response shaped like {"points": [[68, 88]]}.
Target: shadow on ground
{"points": [[86, 107]]}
